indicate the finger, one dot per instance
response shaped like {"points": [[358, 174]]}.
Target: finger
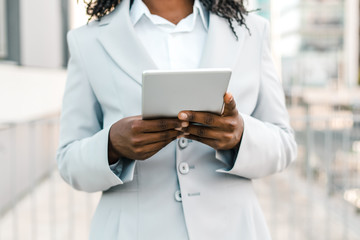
{"points": [[208, 141], [230, 105], [148, 138], [148, 155], [156, 125], [204, 132], [183, 125], [153, 147], [205, 118]]}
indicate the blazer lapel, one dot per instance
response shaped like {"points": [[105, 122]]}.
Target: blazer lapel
{"points": [[119, 40], [221, 47]]}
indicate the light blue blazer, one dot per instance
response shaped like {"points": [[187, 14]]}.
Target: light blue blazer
{"points": [[156, 198]]}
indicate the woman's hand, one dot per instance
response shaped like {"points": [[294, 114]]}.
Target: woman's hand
{"points": [[139, 139], [219, 132]]}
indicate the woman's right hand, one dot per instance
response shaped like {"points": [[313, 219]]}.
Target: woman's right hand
{"points": [[139, 139]]}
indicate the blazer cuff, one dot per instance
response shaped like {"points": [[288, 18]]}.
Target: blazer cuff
{"points": [[124, 169], [84, 164], [227, 157], [257, 151]]}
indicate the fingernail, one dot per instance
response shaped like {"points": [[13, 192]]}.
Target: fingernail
{"points": [[180, 136], [184, 124], [183, 116], [231, 98]]}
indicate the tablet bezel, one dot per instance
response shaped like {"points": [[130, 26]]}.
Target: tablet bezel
{"points": [[163, 83]]}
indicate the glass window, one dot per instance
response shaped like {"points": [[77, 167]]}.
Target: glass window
{"points": [[3, 46]]}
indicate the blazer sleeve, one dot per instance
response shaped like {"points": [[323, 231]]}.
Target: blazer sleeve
{"points": [[268, 143], [82, 155]]}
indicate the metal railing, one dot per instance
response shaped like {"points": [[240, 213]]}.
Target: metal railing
{"points": [[317, 197], [35, 203]]}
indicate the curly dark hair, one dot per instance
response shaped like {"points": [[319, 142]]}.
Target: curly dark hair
{"points": [[231, 10]]}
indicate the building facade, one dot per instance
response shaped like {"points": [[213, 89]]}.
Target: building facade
{"points": [[32, 33], [317, 41], [320, 43]]}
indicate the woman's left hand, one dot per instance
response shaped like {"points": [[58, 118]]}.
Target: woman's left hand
{"points": [[219, 132]]}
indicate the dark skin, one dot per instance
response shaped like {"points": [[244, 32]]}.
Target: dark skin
{"points": [[219, 132], [139, 139], [171, 10]]}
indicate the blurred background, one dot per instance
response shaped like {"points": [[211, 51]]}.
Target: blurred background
{"points": [[315, 45]]}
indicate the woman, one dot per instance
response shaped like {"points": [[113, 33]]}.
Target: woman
{"points": [[172, 178]]}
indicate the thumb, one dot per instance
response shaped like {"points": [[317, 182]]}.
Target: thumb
{"points": [[230, 105]]}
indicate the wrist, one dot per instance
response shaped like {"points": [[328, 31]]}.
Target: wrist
{"points": [[113, 155]]}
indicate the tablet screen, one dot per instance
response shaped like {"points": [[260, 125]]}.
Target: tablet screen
{"points": [[166, 93]]}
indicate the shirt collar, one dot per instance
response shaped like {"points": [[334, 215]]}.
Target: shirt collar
{"points": [[139, 9], [203, 12]]}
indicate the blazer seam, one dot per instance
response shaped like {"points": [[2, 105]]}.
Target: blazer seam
{"points": [[82, 66], [81, 60], [263, 41]]}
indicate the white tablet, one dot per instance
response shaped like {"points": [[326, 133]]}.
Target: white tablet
{"points": [[166, 93]]}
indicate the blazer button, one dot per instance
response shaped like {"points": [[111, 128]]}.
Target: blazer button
{"points": [[184, 168], [178, 196], [183, 142]]}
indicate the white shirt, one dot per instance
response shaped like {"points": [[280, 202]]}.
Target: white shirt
{"points": [[171, 46]]}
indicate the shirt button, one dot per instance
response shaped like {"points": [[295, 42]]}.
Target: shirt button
{"points": [[183, 142], [184, 168], [178, 196]]}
